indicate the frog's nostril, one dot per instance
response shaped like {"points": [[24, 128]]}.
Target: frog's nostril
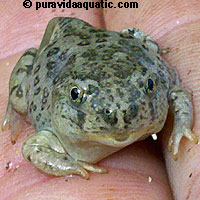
{"points": [[108, 111]]}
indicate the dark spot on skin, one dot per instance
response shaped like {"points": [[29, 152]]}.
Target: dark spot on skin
{"points": [[130, 113], [37, 91], [65, 158], [163, 81], [150, 84], [53, 51], [106, 75], [110, 117], [151, 108], [121, 74], [29, 53], [141, 117], [158, 57], [111, 98], [71, 60], [121, 94], [55, 80], [63, 116], [101, 34], [100, 46], [63, 55], [118, 105], [19, 92], [126, 126], [108, 84], [97, 119], [36, 80], [13, 88], [37, 68], [116, 66], [44, 100], [126, 35], [83, 43], [93, 90], [161, 73], [31, 105], [45, 92], [140, 82], [145, 47], [106, 57], [38, 117], [144, 70], [27, 69], [101, 40], [124, 42], [39, 149], [34, 107], [81, 119], [28, 158], [84, 36], [93, 30], [50, 66], [148, 60], [68, 33], [134, 95], [108, 91]]}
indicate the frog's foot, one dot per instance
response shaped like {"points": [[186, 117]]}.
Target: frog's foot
{"points": [[176, 137], [136, 33], [181, 104], [13, 121], [46, 153]]}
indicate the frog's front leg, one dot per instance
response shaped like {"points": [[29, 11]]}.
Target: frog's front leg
{"points": [[181, 104], [18, 86], [45, 152], [152, 45]]}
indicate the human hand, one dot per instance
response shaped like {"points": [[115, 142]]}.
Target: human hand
{"points": [[129, 169]]}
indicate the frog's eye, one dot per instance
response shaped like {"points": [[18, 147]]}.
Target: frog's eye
{"points": [[76, 94], [150, 84]]}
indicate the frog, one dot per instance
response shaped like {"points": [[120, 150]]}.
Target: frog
{"points": [[90, 92]]}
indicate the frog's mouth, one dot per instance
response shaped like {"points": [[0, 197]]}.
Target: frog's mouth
{"points": [[120, 140]]}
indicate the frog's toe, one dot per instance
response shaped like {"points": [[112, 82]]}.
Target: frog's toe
{"points": [[173, 145], [190, 136], [5, 124], [93, 168], [73, 168], [13, 121], [176, 137]]}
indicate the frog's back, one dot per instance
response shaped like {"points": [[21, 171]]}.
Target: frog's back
{"points": [[77, 50]]}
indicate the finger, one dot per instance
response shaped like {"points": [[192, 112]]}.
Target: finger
{"points": [[27, 25], [173, 27]]}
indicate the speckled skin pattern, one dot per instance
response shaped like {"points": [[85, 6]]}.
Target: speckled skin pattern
{"points": [[90, 92]]}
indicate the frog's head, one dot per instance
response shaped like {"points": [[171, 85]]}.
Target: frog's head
{"points": [[111, 110]]}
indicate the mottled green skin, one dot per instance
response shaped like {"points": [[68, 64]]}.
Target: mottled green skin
{"points": [[124, 87], [113, 71]]}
